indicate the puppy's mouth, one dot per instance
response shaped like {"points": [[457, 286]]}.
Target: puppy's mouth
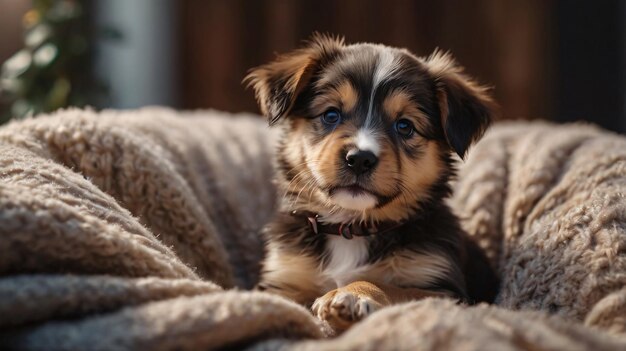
{"points": [[356, 197], [354, 190]]}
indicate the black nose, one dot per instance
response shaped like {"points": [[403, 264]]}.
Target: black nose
{"points": [[361, 161]]}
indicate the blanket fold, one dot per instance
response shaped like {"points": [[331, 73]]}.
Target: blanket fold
{"points": [[436, 324], [139, 230], [34, 298]]}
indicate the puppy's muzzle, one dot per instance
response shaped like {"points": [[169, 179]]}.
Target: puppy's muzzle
{"points": [[361, 161]]}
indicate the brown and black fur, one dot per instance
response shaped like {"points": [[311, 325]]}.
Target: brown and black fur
{"points": [[372, 87]]}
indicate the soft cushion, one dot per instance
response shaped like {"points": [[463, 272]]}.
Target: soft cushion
{"points": [[139, 230]]}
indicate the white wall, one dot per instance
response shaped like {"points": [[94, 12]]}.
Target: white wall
{"points": [[140, 69]]}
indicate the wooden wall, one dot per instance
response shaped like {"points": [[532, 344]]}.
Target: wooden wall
{"points": [[502, 43], [556, 59]]}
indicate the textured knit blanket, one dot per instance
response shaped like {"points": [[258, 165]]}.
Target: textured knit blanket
{"points": [[138, 230]]}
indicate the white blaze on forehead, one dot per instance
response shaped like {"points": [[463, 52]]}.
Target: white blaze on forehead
{"points": [[350, 201], [366, 141], [386, 67]]}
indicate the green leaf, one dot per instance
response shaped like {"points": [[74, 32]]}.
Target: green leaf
{"points": [[45, 55], [17, 64], [22, 108], [38, 35], [58, 95]]}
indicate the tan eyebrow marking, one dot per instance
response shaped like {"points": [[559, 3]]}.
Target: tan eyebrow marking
{"points": [[398, 104], [347, 95], [343, 96]]}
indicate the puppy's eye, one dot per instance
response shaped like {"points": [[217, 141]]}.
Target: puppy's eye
{"points": [[404, 127], [331, 117]]}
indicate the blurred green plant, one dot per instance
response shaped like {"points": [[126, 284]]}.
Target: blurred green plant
{"points": [[54, 69]]}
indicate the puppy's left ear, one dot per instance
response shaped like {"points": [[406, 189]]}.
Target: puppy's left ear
{"points": [[466, 108], [278, 84]]}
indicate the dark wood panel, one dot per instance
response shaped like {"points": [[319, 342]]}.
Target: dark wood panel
{"points": [[592, 74], [506, 44]]}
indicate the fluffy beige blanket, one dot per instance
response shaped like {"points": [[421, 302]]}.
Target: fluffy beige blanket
{"points": [[138, 230]]}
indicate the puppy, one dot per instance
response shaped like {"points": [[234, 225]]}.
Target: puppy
{"points": [[364, 165]]}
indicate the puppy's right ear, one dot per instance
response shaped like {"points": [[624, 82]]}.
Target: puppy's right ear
{"points": [[277, 84], [466, 108]]}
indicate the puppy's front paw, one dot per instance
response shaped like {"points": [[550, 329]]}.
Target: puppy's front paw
{"points": [[342, 308]]}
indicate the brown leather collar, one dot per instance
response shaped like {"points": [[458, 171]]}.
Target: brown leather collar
{"points": [[347, 230]]}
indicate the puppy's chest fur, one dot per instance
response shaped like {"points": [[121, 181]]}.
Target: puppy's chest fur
{"points": [[346, 259], [302, 265]]}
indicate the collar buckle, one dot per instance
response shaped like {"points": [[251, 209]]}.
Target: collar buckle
{"points": [[346, 230], [313, 223]]}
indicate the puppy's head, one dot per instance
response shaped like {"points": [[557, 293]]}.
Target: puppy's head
{"points": [[368, 129]]}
